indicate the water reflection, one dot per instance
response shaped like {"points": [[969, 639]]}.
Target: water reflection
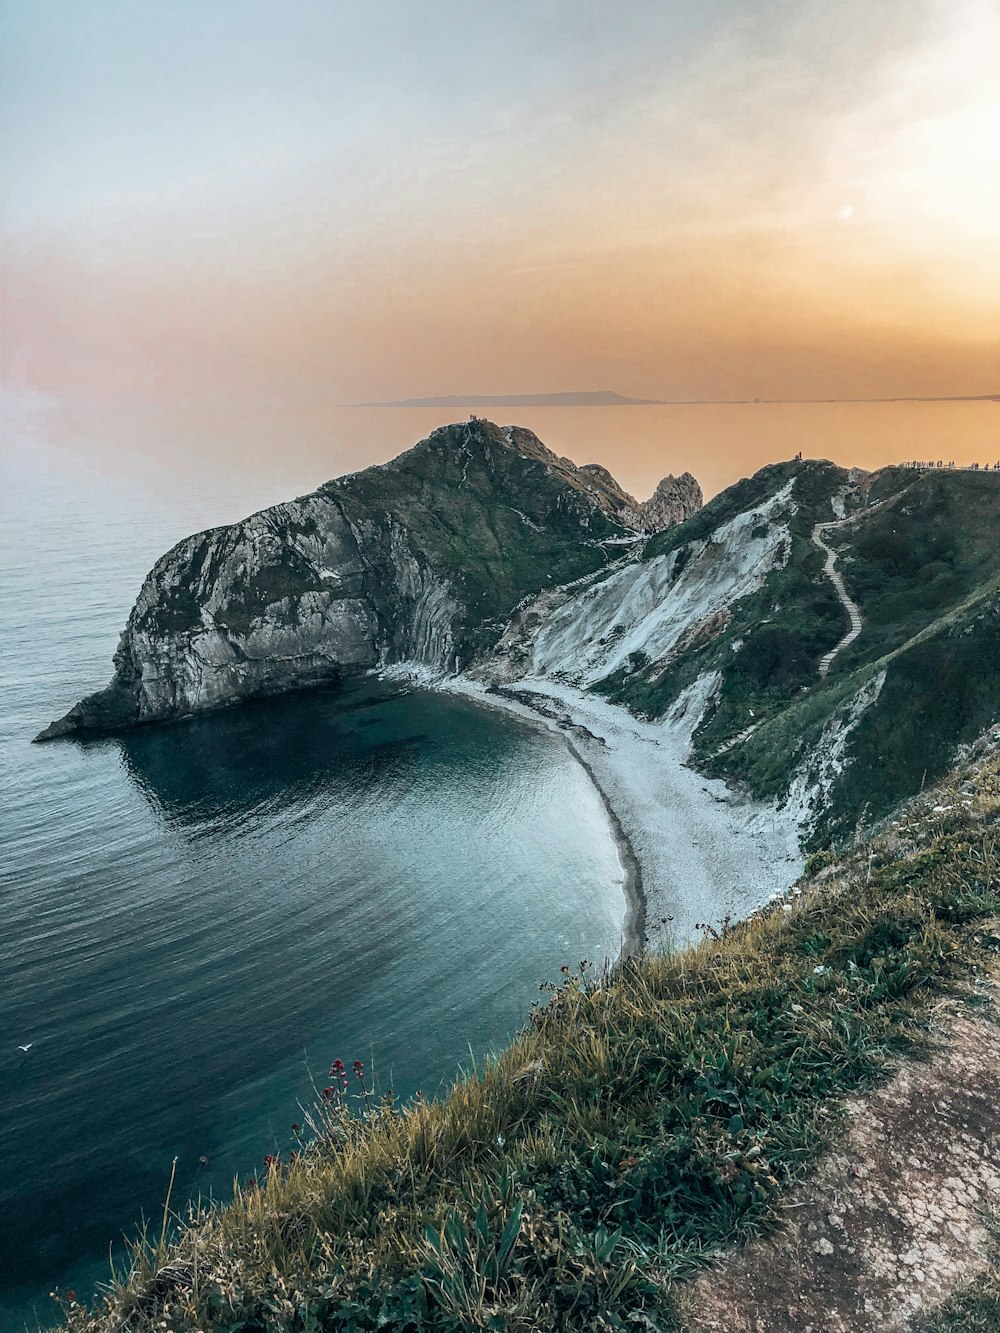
{"points": [[195, 913], [364, 873], [276, 755]]}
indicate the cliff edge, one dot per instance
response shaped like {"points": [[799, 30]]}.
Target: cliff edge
{"points": [[421, 559]]}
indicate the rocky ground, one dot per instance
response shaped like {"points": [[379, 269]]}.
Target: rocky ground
{"points": [[896, 1218], [901, 1216]]}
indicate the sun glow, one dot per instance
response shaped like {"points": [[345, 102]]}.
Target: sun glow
{"points": [[677, 202], [926, 152]]}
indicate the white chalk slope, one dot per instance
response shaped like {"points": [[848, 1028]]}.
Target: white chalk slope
{"points": [[647, 607], [703, 852]]}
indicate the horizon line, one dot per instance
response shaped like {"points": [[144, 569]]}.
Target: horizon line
{"points": [[608, 398]]}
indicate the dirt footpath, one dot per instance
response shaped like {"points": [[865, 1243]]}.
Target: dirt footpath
{"points": [[893, 1220]]}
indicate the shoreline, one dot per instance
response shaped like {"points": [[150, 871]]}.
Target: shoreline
{"points": [[636, 910], [634, 927], [694, 851], [636, 907]]}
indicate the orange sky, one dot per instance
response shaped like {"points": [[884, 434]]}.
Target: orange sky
{"points": [[320, 206]]}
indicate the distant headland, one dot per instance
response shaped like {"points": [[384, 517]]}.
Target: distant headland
{"points": [[608, 398]]}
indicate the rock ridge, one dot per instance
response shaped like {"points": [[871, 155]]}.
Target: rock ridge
{"points": [[674, 500], [423, 559]]}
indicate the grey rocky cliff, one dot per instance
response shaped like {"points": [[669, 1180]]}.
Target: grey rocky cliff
{"points": [[422, 559], [674, 500]]}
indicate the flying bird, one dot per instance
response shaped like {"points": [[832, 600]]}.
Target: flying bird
{"points": [[26, 1048]]}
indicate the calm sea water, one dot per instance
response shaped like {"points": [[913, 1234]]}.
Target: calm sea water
{"points": [[291, 447], [197, 916]]}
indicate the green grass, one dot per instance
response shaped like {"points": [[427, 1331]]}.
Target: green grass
{"points": [[925, 570], [910, 562], [464, 506], [638, 1124], [940, 693], [974, 1308]]}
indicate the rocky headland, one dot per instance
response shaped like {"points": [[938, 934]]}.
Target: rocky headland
{"points": [[423, 559], [784, 665], [803, 660]]}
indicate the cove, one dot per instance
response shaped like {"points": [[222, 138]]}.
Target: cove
{"points": [[216, 909]]}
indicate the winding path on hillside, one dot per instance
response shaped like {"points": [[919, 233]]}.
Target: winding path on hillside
{"points": [[833, 574]]}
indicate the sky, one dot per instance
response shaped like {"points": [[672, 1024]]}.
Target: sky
{"points": [[333, 201]]}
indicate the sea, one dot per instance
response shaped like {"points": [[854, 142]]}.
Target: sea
{"points": [[198, 918]]}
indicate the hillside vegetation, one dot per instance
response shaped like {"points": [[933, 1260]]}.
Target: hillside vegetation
{"points": [[920, 555], [648, 1117], [642, 1120], [420, 560], [495, 521]]}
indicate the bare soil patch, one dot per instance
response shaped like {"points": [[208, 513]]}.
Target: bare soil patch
{"points": [[894, 1219]]}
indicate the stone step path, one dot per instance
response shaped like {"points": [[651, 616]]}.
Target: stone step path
{"points": [[833, 574]]}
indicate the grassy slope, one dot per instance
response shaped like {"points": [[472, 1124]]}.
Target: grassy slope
{"points": [[974, 1310], [910, 562], [636, 1124], [925, 571], [499, 526]]}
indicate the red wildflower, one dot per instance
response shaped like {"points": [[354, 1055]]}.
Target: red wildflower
{"points": [[270, 1159], [328, 1092]]}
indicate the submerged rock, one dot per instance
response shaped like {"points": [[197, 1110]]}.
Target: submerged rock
{"points": [[422, 559]]}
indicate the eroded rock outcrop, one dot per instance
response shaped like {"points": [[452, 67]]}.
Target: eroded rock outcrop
{"points": [[422, 559], [674, 500]]}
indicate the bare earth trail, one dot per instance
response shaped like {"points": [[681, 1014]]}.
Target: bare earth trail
{"points": [[833, 574], [897, 1215]]}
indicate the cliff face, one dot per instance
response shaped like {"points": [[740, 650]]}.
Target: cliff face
{"points": [[674, 500], [423, 559], [842, 629], [481, 548]]}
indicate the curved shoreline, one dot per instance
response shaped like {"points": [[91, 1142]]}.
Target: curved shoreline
{"points": [[694, 850], [636, 907], [634, 928], [634, 937]]}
